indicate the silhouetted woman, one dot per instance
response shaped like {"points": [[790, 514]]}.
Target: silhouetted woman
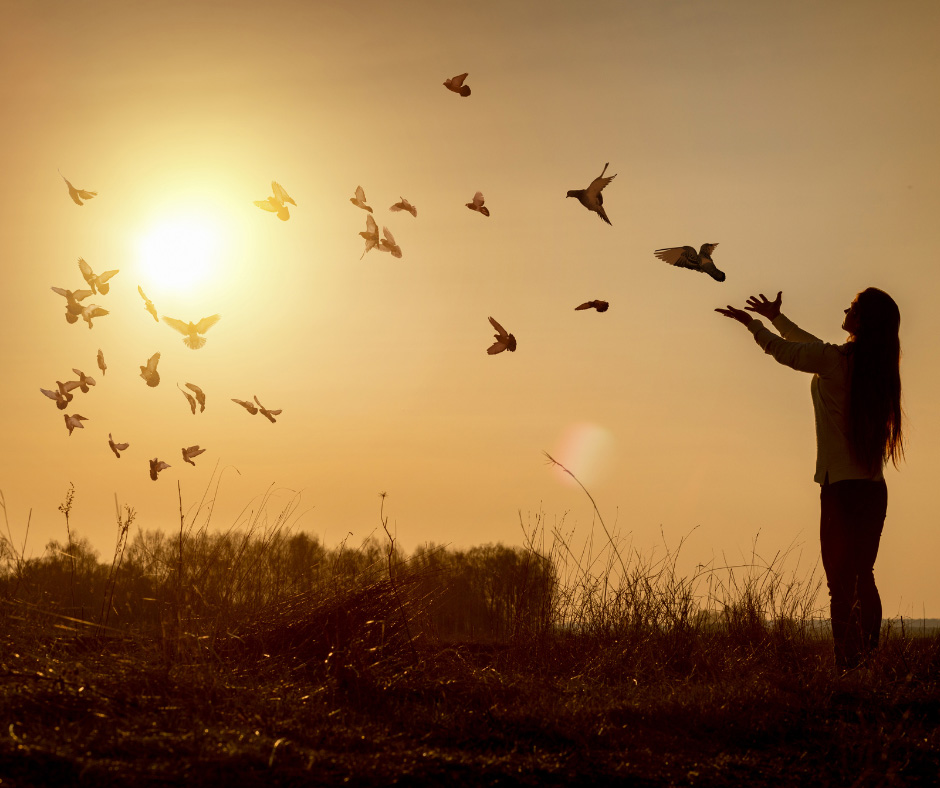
{"points": [[856, 390]]}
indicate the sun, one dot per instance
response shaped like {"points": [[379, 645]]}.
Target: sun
{"points": [[179, 253]]}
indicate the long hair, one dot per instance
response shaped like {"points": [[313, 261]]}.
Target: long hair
{"points": [[875, 390]]}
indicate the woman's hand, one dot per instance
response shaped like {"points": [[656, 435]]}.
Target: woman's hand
{"points": [[737, 314], [765, 308]]}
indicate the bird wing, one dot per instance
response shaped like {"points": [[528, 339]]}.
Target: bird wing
{"points": [[206, 323], [682, 256], [85, 194], [478, 199], [707, 249], [179, 325], [152, 362], [585, 305], [268, 205], [249, 406], [280, 194], [360, 194], [457, 81], [388, 236], [200, 396], [502, 331], [593, 192], [50, 394], [102, 278], [497, 347], [190, 399], [118, 446], [87, 273], [371, 227], [97, 311], [142, 293]]}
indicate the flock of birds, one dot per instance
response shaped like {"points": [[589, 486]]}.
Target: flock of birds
{"points": [[591, 198]]}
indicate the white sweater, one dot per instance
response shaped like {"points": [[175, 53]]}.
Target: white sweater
{"points": [[829, 364]]}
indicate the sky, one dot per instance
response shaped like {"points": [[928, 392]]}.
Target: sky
{"points": [[800, 137]]}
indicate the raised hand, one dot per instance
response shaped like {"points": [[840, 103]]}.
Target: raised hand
{"points": [[765, 308], [737, 314]]}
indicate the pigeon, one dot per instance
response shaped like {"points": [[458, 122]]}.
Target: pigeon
{"points": [[404, 205], [73, 309], [101, 365], [97, 282], [600, 306], [477, 204], [275, 203], [685, 257], [504, 340], [371, 235], [149, 372], [92, 311], [360, 199], [189, 398], [148, 304], [591, 197], [78, 195], [192, 330], [387, 244], [249, 406], [63, 393], [74, 421], [192, 451], [456, 84], [268, 414], [156, 466], [117, 448], [200, 398], [83, 380]]}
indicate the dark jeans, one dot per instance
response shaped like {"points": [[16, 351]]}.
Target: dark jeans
{"points": [[853, 515]]}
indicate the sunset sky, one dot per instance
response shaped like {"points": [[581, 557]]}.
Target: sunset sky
{"points": [[801, 137]]}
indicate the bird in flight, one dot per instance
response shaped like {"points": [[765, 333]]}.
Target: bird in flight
{"points": [[148, 304], [371, 235], [360, 199], [268, 414], [591, 197], [101, 365], [192, 451], [90, 312], [600, 306], [149, 372], [477, 204], [78, 195], [276, 202], [73, 309], [404, 205], [504, 340], [387, 244], [456, 84], [62, 394], [686, 257], [97, 282], [117, 448], [156, 466], [83, 380], [200, 397], [191, 331], [74, 421], [249, 406]]}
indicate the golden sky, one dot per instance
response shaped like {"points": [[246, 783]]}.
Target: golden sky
{"points": [[801, 137]]}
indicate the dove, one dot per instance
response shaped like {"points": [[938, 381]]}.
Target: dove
{"points": [[591, 197], [92, 311], [685, 257], [97, 282], [388, 244], [192, 330], [360, 199], [600, 306], [62, 395], [249, 406], [275, 203], [200, 396], [78, 195], [156, 466], [117, 448], [74, 421], [456, 84], [149, 372], [83, 381], [371, 235], [192, 451], [404, 205], [477, 204], [504, 340], [148, 304], [268, 414], [73, 309], [101, 365]]}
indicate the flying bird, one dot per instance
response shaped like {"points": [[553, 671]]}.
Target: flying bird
{"points": [[276, 202], [149, 372], [78, 195], [192, 330], [477, 204], [456, 84], [600, 306], [387, 244], [268, 414], [74, 421], [200, 398], [249, 406], [156, 466], [686, 257], [83, 381], [73, 309], [117, 448], [101, 365], [504, 340], [360, 199], [62, 394], [192, 451], [148, 304], [90, 312], [97, 282], [404, 205], [591, 197], [371, 235]]}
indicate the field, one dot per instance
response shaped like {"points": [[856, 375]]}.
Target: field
{"points": [[259, 657]]}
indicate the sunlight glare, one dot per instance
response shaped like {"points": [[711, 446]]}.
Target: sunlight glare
{"points": [[179, 253]]}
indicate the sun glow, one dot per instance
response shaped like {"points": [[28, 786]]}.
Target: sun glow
{"points": [[179, 253]]}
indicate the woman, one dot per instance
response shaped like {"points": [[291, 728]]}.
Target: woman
{"points": [[856, 391]]}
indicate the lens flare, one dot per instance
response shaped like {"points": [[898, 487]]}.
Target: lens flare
{"points": [[179, 253]]}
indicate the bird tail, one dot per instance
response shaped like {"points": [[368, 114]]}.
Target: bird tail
{"points": [[194, 342], [484, 210]]}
